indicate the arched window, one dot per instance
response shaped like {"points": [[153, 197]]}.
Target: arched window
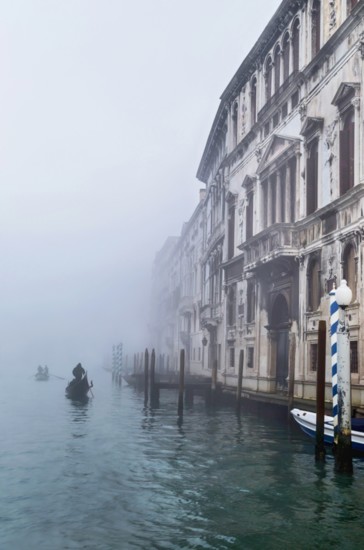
{"points": [[312, 178], [349, 268], [351, 5], [313, 285], [296, 44], [277, 68], [347, 152], [268, 79], [253, 101], [315, 27], [286, 56]]}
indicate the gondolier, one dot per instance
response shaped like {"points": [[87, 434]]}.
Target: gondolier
{"points": [[79, 387], [78, 372]]}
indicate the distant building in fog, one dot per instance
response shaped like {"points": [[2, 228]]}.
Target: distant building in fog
{"points": [[282, 220]]}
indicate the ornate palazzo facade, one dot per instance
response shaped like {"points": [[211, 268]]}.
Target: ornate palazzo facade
{"points": [[282, 217]]}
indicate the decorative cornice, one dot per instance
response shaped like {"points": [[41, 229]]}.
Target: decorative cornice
{"points": [[280, 20]]}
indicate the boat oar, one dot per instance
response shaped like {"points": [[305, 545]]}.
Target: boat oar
{"points": [[60, 377]]}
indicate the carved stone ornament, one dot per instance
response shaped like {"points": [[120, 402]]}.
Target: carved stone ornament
{"points": [[361, 44], [258, 153], [300, 258], [302, 109], [356, 102], [243, 121], [330, 134], [332, 13]]}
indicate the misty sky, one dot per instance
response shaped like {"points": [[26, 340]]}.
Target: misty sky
{"points": [[105, 109]]}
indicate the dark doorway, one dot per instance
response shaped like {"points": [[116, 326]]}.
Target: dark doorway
{"points": [[280, 327]]}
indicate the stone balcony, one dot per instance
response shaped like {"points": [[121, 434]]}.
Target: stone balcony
{"points": [[214, 238], [185, 304], [211, 315], [280, 240]]}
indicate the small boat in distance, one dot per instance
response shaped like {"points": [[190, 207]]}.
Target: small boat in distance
{"points": [[79, 387], [42, 374], [307, 422]]}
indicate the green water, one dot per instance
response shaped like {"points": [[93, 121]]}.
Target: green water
{"points": [[112, 474]]}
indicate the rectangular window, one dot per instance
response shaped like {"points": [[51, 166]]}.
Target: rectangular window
{"points": [[275, 120], [312, 178], [354, 367], [250, 361], [315, 27], [251, 302], [347, 152], [199, 354], [266, 129], [284, 110], [313, 357], [231, 303], [232, 358], [249, 216], [294, 100], [231, 231]]}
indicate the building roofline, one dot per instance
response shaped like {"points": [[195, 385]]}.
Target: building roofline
{"points": [[284, 13]]}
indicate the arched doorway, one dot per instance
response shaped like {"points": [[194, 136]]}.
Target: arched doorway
{"points": [[280, 334]]}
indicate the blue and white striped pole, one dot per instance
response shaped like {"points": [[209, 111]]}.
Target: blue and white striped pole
{"points": [[334, 320]]}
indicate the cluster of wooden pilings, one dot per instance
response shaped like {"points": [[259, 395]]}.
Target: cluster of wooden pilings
{"points": [[148, 378]]}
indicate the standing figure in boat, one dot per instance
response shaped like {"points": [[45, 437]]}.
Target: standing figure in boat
{"points": [[79, 387], [78, 372], [42, 374]]}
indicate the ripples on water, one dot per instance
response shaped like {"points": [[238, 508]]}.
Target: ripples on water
{"points": [[111, 474]]}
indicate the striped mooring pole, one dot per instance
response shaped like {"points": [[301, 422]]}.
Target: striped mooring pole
{"points": [[334, 320]]}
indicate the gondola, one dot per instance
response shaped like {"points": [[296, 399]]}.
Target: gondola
{"points": [[41, 376], [79, 387]]}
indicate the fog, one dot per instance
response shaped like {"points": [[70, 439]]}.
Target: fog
{"points": [[105, 109]]}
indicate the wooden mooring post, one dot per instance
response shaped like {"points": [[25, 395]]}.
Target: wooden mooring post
{"points": [[146, 375], [154, 390], [240, 381], [320, 392], [291, 369], [181, 383], [213, 382]]}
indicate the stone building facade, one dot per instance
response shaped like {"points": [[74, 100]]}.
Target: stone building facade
{"points": [[282, 220]]}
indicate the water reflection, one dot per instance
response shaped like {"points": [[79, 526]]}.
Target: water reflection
{"points": [[148, 420], [137, 480], [79, 412]]}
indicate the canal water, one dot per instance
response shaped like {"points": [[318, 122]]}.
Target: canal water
{"points": [[112, 474]]}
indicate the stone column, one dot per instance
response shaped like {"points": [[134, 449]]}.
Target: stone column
{"points": [[269, 202], [278, 198], [288, 193], [257, 220]]}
